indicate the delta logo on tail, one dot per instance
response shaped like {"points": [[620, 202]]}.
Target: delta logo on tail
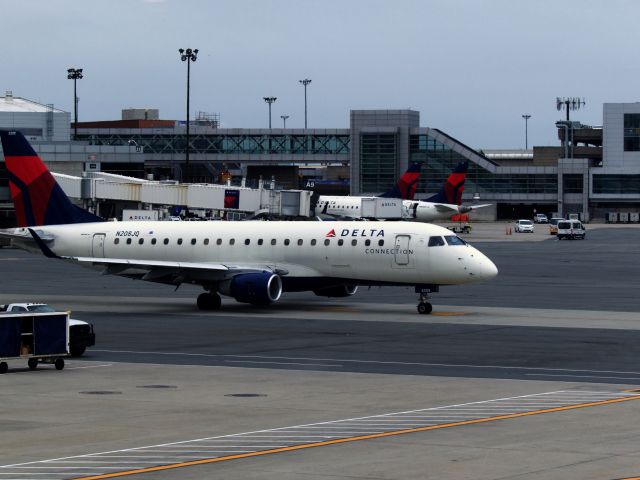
{"points": [[37, 198], [453, 187], [407, 184]]}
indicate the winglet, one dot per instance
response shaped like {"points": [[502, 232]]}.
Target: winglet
{"points": [[43, 246]]}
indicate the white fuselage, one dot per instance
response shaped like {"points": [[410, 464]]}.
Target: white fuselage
{"points": [[363, 252], [416, 210]]}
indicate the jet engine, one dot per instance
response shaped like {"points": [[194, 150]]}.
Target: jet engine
{"points": [[255, 288], [337, 291]]}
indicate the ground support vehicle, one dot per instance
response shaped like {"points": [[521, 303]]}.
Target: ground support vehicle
{"points": [[553, 225], [571, 229], [466, 228], [81, 334], [35, 337]]}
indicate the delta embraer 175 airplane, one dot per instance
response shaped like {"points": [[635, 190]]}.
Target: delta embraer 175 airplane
{"points": [[252, 261], [441, 206]]}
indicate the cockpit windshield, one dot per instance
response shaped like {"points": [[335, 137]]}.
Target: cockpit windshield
{"points": [[454, 240], [436, 241]]}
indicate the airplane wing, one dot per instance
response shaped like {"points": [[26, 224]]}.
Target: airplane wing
{"points": [[469, 208], [171, 272]]}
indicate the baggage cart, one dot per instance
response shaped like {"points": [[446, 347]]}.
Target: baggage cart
{"points": [[34, 337]]}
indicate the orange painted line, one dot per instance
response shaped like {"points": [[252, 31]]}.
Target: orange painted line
{"points": [[356, 439]]}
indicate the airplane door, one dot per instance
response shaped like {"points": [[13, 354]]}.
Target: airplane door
{"points": [[97, 245], [402, 250]]}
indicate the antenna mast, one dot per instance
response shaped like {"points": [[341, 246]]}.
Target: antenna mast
{"points": [[569, 103]]}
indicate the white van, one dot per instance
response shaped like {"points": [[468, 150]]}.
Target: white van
{"points": [[570, 229]]}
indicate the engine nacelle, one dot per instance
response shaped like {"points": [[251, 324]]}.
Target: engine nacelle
{"points": [[338, 291], [255, 288]]}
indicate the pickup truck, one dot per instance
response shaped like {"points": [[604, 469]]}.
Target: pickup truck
{"points": [[81, 334]]}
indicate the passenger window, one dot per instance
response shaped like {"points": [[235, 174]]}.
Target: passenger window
{"points": [[260, 241], [327, 242], [340, 242], [273, 241], [206, 241], [179, 241], [140, 241], [367, 242], [299, 241], [193, 241], [381, 242], [166, 241], [354, 242], [313, 241], [219, 241], [128, 241], [286, 241], [116, 241], [247, 241], [153, 241], [232, 241], [436, 241]]}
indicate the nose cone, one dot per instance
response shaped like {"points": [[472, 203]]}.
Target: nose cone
{"points": [[488, 269], [483, 268]]}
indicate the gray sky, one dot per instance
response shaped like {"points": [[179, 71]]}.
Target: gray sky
{"points": [[471, 68]]}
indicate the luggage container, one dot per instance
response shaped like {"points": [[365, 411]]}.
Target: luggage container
{"points": [[35, 337], [623, 217], [612, 217], [634, 217]]}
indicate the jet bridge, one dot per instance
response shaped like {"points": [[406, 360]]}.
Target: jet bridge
{"points": [[97, 187]]}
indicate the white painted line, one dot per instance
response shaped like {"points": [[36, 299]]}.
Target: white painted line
{"points": [[90, 366], [64, 468], [201, 451], [253, 362], [580, 376], [453, 365], [196, 445]]}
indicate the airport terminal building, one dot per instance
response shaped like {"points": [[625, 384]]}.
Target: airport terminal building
{"points": [[594, 170]]}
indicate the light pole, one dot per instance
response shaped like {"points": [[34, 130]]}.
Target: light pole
{"points": [[270, 100], [284, 120], [305, 82], [188, 56], [75, 74], [526, 130]]}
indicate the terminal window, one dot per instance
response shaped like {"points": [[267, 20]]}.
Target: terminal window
{"points": [[572, 183], [616, 184], [377, 162], [632, 132]]}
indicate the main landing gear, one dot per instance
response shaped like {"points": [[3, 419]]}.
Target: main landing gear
{"points": [[424, 307], [209, 301]]}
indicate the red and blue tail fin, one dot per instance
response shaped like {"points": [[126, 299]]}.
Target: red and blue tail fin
{"points": [[37, 198], [407, 184], [451, 191]]}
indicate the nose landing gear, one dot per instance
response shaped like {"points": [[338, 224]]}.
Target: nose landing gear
{"points": [[424, 307]]}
